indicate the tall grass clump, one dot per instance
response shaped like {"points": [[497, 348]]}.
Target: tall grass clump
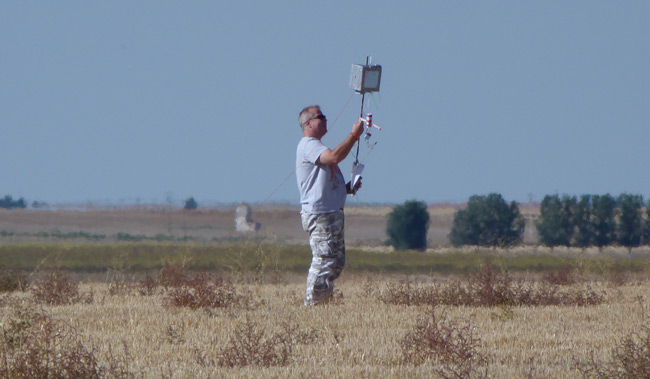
{"points": [[452, 347]]}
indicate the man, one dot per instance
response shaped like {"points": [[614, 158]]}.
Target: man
{"points": [[322, 196]]}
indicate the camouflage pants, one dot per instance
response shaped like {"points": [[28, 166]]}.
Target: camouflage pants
{"points": [[328, 254]]}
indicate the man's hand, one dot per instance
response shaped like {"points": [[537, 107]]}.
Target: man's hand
{"points": [[350, 190], [357, 128]]}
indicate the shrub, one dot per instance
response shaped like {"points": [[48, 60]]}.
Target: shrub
{"points": [[50, 349], [147, 286], [12, 279], [488, 287], [561, 277], [38, 346], [172, 274], [201, 291], [487, 221], [630, 358], [407, 226], [450, 344], [250, 346], [13, 331], [57, 289]]}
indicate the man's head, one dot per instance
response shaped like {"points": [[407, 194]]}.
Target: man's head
{"points": [[313, 122]]}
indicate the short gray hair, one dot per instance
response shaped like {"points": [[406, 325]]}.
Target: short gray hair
{"points": [[305, 115]]}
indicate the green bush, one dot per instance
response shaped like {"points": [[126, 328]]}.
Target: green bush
{"points": [[407, 226], [487, 221]]}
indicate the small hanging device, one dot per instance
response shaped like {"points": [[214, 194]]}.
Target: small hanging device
{"points": [[363, 79]]}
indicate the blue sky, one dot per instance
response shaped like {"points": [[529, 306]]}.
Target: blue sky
{"points": [[127, 101]]}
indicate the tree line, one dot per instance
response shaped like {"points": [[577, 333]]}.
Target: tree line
{"points": [[594, 220], [8, 202], [488, 220]]}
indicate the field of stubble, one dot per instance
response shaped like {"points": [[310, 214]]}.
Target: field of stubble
{"points": [[359, 334], [380, 324]]}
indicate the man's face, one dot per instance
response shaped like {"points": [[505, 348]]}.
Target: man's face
{"points": [[318, 123]]}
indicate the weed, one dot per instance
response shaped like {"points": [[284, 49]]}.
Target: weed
{"points": [[617, 275], [13, 330], [630, 357], [116, 274], [450, 344], [506, 314], [49, 348], [202, 291], [255, 263], [173, 334], [57, 289], [12, 279], [118, 364], [118, 287], [172, 274], [491, 287], [147, 286], [408, 293], [488, 287], [561, 277], [249, 346]]}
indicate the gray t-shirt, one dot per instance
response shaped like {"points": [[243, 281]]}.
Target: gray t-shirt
{"points": [[322, 187]]}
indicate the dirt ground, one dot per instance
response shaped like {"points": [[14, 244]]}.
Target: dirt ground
{"points": [[365, 225]]}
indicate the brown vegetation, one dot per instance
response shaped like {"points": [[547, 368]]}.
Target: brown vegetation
{"points": [[270, 333]]}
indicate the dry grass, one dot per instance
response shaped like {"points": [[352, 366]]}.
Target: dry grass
{"points": [[357, 336], [365, 225]]}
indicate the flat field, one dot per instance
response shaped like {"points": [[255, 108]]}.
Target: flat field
{"points": [[237, 309], [365, 225], [358, 334]]}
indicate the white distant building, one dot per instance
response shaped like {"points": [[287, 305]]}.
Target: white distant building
{"points": [[244, 220]]}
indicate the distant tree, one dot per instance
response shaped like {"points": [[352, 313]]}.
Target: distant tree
{"points": [[646, 225], [487, 221], [39, 204], [407, 226], [191, 204], [9, 203], [603, 219], [556, 225], [584, 228], [630, 226]]}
